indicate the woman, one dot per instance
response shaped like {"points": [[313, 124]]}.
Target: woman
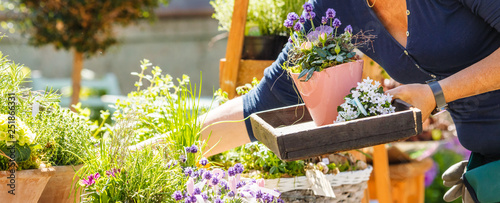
{"points": [[454, 42]]}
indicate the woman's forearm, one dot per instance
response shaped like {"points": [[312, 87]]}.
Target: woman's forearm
{"points": [[481, 77]]}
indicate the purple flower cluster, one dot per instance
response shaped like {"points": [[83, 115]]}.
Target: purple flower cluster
{"points": [[348, 29], [203, 161], [336, 23], [292, 16], [193, 149], [90, 179], [113, 172], [210, 186], [288, 23], [308, 7], [330, 13]]}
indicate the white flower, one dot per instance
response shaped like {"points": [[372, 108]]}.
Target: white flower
{"points": [[355, 94], [380, 109], [368, 80], [365, 98], [373, 110], [377, 83]]}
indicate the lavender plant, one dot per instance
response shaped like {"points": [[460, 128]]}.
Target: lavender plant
{"points": [[211, 186]]}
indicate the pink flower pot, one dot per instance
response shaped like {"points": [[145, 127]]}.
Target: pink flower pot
{"points": [[61, 187], [325, 91]]}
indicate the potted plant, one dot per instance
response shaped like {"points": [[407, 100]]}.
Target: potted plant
{"points": [[265, 35], [62, 147], [321, 59], [22, 174]]}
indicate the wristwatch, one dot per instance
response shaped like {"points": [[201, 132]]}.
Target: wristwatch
{"points": [[441, 104]]}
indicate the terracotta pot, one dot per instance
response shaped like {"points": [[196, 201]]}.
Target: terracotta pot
{"points": [[60, 185], [28, 187], [325, 91]]}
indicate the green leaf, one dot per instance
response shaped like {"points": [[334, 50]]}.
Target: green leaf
{"points": [[330, 46], [273, 170], [321, 52], [351, 54], [310, 74], [304, 72], [22, 153], [340, 58], [318, 62], [331, 58]]}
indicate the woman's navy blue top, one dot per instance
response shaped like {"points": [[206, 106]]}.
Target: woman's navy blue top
{"points": [[444, 37]]}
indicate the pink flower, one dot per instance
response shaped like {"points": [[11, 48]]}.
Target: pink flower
{"points": [[232, 183], [306, 46], [261, 182], [219, 173], [190, 186]]}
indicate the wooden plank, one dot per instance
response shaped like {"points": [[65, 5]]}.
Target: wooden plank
{"points": [[381, 174], [299, 138], [247, 70], [234, 47]]}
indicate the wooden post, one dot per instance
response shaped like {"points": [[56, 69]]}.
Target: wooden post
{"points": [[234, 47], [381, 174], [76, 77]]}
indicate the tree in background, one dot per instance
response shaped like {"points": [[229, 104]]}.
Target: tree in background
{"points": [[84, 27]]}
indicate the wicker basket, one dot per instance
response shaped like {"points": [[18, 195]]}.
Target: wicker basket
{"points": [[348, 186]]}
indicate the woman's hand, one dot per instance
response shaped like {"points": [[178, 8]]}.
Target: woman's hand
{"points": [[418, 95]]}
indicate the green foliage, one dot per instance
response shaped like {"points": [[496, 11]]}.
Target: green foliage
{"points": [[85, 26], [444, 159], [266, 15], [60, 134], [144, 175], [256, 156], [63, 142], [164, 109]]}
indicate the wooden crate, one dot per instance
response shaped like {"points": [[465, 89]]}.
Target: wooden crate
{"points": [[291, 134]]}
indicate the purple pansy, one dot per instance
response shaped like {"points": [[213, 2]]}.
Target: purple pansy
{"points": [[230, 194], [182, 158], [330, 13], [292, 16], [336, 23], [308, 7], [218, 200], [288, 23], [314, 35], [290, 40]]}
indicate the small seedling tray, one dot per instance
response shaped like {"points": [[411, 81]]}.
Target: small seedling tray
{"points": [[291, 134]]}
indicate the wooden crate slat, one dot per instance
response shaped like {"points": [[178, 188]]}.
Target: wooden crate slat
{"points": [[290, 141]]}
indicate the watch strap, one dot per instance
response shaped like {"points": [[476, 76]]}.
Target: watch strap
{"points": [[438, 95]]}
